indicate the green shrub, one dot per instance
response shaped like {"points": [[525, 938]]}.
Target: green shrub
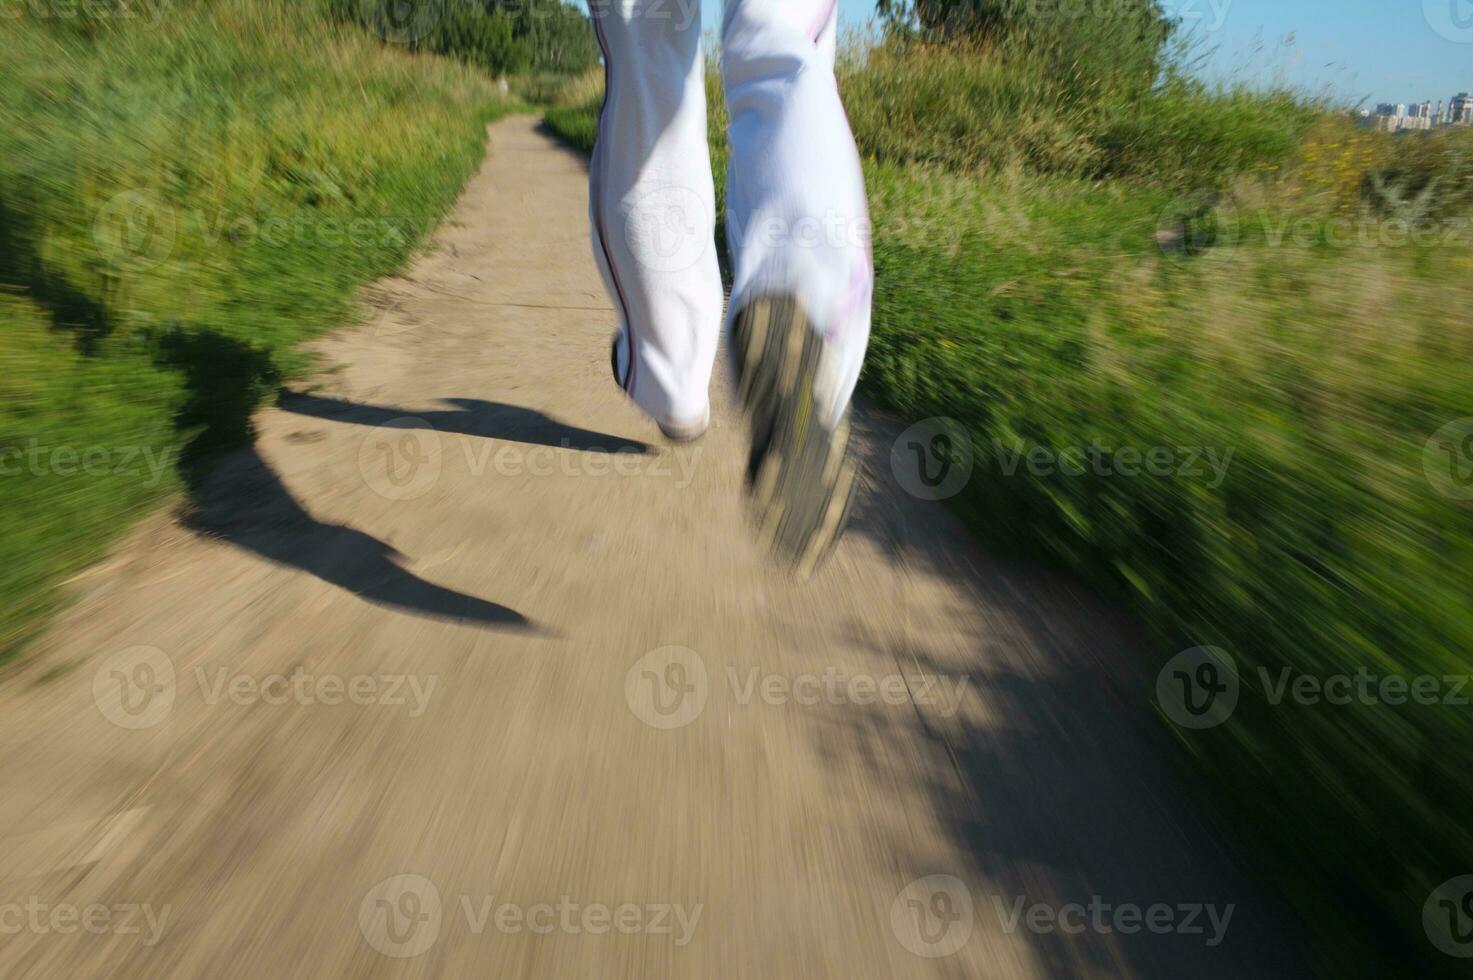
{"points": [[1002, 108], [1118, 43]]}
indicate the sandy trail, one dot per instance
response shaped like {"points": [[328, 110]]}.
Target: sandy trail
{"points": [[461, 671]]}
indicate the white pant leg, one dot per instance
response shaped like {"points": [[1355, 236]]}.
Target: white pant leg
{"points": [[652, 202], [797, 217]]}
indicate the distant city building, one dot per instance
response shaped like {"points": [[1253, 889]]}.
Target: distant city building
{"points": [[1420, 116], [1460, 110]]}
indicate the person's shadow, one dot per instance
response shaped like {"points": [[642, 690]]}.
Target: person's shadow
{"points": [[235, 496], [471, 417], [242, 501]]}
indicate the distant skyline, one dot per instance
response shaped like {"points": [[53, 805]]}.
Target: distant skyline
{"points": [[1367, 51]]}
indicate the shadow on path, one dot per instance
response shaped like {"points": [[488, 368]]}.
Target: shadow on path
{"points": [[245, 503], [472, 417], [1055, 781], [238, 498]]}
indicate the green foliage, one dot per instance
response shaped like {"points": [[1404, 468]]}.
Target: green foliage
{"points": [[970, 109], [1043, 317], [1118, 42], [182, 200], [502, 36]]}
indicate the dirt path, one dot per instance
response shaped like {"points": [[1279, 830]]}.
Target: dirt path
{"points": [[462, 672]]}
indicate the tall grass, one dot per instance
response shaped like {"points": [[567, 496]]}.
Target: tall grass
{"points": [[182, 200], [1004, 107]]}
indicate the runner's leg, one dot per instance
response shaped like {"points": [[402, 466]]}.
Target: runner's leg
{"points": [[798, 227], [652, 205], [797, 217]]}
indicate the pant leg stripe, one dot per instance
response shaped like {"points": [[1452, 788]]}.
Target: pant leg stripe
{"points": [[597, 193]]}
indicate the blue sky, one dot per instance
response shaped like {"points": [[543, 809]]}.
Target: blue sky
{"points": [[1377, 50]]}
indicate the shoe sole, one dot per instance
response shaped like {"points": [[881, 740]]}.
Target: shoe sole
{"points": [[799, 474]]}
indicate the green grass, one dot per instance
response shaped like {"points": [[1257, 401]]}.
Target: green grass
{"points": [[1022, 291], [181, 203]]}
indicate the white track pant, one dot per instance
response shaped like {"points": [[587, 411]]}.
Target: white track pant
{"points": [[797, 222]]}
